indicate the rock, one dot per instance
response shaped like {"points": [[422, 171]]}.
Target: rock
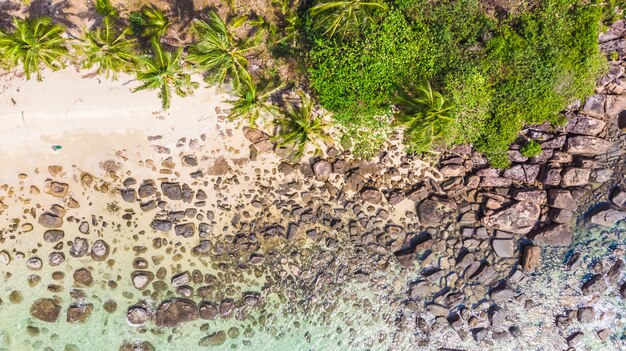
{"points": [[502, 295], [146, 189], [137, 346], [432, 211], [594, 106], [581, 124], [34, 263], [45, 310], [176, 311], [82, 276], [551, 176], [79, 313], [373, 196], [622, 291], [587, 145], [558, 235], [395, 197], [618, 197], [452, 170], [220, 167], [172, 191], [181, 279], [621, 121], [522, 173], [56, 258], [559, 215], [5, 257], [520, 218], [615, 270], [53, 235], [531, 258], [575, 339], [355, 182], [572, 176], [138, 315], [495, 182], [56, 189], [141, 279], [480, 334], [496, 316], [601, 175], [50, 220], [254, 135], [554, 143], [586, 314], [79, 248], [129, 195], [561, 198], [83, 228], [596, 284], [419, 289], [537, 196], [214, 339], [186, 230], [614, 105], [515, 331], [503, 247], [322, 169], [208, 310], [607, 217], [604, 334], [99, 250], [161, 225], [438, 310]]}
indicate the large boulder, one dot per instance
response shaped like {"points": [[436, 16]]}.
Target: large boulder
{"points": [[587, 145], [594, 106], [50, 220], [561, 198], [573, 176], [432, 211], [518, 218], [172, 191], [173, 312], [607, 217], [523, 173], [322, 169], [79, 313], [585, 125], [45, 310], [558, 235]]}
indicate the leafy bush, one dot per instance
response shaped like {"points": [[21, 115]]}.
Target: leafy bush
{"points": [[531, 149]]}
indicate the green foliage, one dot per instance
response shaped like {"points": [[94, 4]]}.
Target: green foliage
{"points": [[163, 71], [218, 54], [612, 10], [425, 116], [253, 102], [345, 17], [300, 127], [109, 49], [137, 22], [34, 44], [155, 24], [531, 149], [497, 73], [105, 9]]}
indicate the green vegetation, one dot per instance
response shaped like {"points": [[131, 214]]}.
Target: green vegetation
{"points": [[149, 23], [34, 44], [218, 54], [497, 73], [345, 16], [253, 102], [162, 71], [531, 149], [299, 127]]}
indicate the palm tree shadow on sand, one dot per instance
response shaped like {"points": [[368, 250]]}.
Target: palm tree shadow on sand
{"points": [[57, 10]]}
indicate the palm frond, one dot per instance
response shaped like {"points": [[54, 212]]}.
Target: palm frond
{"points": [[253, 102], [344, 16]]}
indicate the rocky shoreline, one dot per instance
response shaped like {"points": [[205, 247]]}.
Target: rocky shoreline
{"points": [[449, 255]]}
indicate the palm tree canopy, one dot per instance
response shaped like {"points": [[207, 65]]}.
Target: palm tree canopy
{"points": [[164, 70], [156, 23], [105, 9], [426, 115], [344, 16], [299, 127], [217, 53], [108, 48], [253, 101], [34, 43]]}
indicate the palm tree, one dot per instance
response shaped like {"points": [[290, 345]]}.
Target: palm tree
{"points": [[253, 102], [34, 43], [218, 53], [105, 9], [425, 116], [300, 126], [109, 49], [156, 23], [343, 16], [164, 71]]}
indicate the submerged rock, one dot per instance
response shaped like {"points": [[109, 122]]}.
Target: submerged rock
{"points": [[176, 311], [79, 313], [138, 315], [607, 217], [215, 339], [99, 250]]}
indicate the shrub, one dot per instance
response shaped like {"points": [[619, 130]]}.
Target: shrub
{"points": [[531, 149]]}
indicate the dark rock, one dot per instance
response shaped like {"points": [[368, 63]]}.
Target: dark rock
{"points": [[355, 182], [531, 258], [596, 284], [594, 106], [176, 311], [581, 124], [559, 215], [618, 197], [551, 176], [373, 196], [495, 182], [208, 310], [99, 250], [419, 289], [537, 196], [322, 169], [186, 230], [503, 247], [496, 316], [172, 191], [79, 313], [559, 235], [161, 225], [586, 314], [452, 170], [53, 235], [138, 315], [214, 339], [554, 143], [129, 195], [561, 198], [523, 173], [45, 310], [141, 279], [519, 218], [137, 346], [82, 276], [438, 310], [395, 197], [79, 248], [146, 189], [432, 211], [50, 220], [502, 295], [83, 228], [480, 334], [615, 270]]}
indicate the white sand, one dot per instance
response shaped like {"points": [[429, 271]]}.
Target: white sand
{"points": [[91, 118]]}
